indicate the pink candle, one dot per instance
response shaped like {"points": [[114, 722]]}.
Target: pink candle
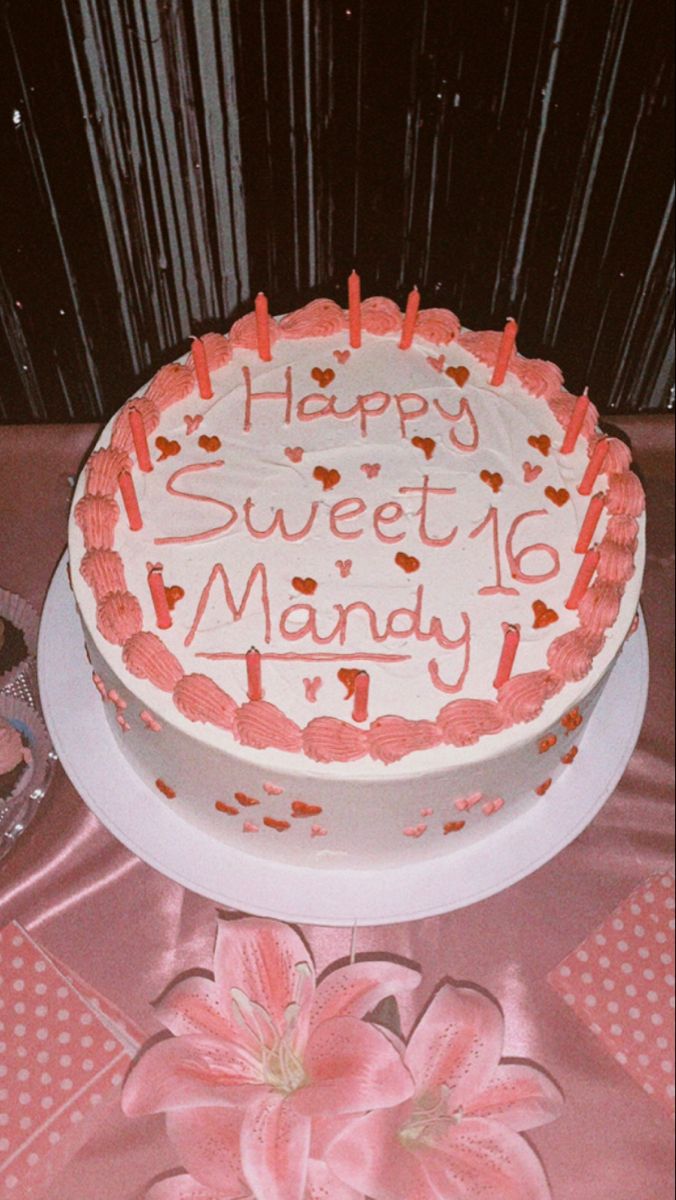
{"points": [[130, 501], [262, 327], [412, 307], [592, 518], [595, 467], [354, 302], [199, 358], [159, 596], [575, 424], [254, 677], [360, 712], [138, 434], [510, 646], [505, 350], [585, 575]]}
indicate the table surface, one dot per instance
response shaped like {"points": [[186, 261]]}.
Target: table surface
{"points": [[129, 931]]}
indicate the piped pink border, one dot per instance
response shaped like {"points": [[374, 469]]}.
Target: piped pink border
{"points": [[388, 739]]}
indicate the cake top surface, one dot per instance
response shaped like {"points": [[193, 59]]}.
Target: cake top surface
{"points": [[358, 552]]}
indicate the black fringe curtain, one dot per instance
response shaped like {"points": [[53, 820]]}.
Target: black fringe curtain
{"points": [[164, 160]]}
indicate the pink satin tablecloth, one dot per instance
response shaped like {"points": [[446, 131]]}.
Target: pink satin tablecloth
{"points": [[129, 931]]}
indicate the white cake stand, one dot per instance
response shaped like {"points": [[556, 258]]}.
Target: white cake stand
{"points": [[148, 827]]}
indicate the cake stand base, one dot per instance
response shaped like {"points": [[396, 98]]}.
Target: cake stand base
{"points": [[164, 840]]}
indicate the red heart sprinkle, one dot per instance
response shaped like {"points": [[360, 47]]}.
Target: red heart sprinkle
{"points": [[437, 364], [454, 826], [558, 496], [300, 809], [570, 756], [407, 562], [544, 616], [572, 720], [280, 826], [348, 678], [246, 801], [371, 470], [165, 789], [294, 453], [192, 423], [459, 375], [328, 477], [541, 443], [543, 788], [166, 448], [226, 808], [530, 473], [323, 378], [493, 479], [307, 587], [548, 743], [210, 444], [427, 445], [173, 594]]}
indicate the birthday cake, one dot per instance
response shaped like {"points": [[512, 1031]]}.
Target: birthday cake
{"points": [[351, 582]]}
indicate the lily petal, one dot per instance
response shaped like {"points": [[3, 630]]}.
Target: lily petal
{"points": [[351, 1068], [519, 1096], [483, 1158], [355, 991], [189, 1072], [369, 1157], [322, 1184], [183, 1187], [207, 1142], [458, 1043], [275, 1147], [258, 958], [194, 1006]]}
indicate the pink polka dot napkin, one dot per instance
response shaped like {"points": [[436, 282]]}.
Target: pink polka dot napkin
{"points": [[63, 1054], [620, 983]]}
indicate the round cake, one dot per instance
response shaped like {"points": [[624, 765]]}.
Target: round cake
{"points": [[352, 581]]}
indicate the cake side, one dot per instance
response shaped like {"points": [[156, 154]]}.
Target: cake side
{"points": [[455, 517]]}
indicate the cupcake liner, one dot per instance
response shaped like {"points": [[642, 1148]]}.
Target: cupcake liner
{"points": [[19, 808], [20, 678]]}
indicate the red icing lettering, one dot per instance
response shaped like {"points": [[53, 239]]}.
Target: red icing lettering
{"points": [[286, 395], [236, 611], [388, 514], [206, 534], [515, 559], [291, 631], [279, 523], [426, 491], [496, 589], [372, 405], [465, 643], [464, 412], [346, 510], [299, 621], [326, 407], [409, 406]]}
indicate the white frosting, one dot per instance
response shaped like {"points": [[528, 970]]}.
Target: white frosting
{"points": [[261, 469]]}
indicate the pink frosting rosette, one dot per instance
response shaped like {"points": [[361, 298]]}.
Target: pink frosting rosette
{"points": [[459, 1134], [263, 1056]]}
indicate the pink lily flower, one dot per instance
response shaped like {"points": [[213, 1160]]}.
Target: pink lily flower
{"points": [[322, 1185], [458, 1136], [261, 1054]]}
